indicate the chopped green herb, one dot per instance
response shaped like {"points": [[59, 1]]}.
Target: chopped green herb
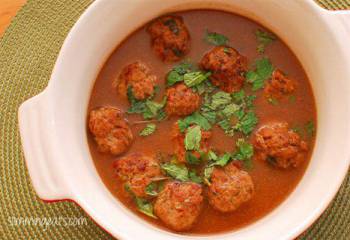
{"points": [[247, 123], [239, 96], [207, 174], [310, 128], [151, 189], [177, 73], [216, 39], [192, 159], [263, 71], [194, 177], [136, 105], [264, 39], [193, 138], [273, 101], [145, 207], [292, 99], [176, 171], [230, 110], [222, 160], [153, 109], [195, 78], [220, 99], [244, 152], [225, 124], [212, 155], [195, 118], [142, 205], [148, 130]]}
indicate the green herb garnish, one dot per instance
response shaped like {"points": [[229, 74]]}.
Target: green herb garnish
{"points": [[192, 159], [193, 138], [216, 39], [194, 177], [148, 130], [195, 78], [264, 39], [247, 123], [195, 118], [151, 189], [244, 152], [176, 171], [142, 204], [263, 71], [177, 73]]}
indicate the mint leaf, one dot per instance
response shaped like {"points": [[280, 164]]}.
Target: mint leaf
{"points": [[247, 123], [177, 73], [191, 159], [264, 39], [148, 130], [220, 99], [244, 152], [195, 78], [145, 207], [263, 71], [179, 172], [216, 39], [195, 118], [193, 138], [151, 189], [194, 177], [152, 109]]}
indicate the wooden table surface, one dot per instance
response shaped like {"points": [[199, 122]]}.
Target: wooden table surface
{"points": [[8, 9]]}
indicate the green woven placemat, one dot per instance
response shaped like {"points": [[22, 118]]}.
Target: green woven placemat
{"points": [[28, 51]]}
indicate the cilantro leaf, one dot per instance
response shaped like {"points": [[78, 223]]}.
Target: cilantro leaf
{"points": [[195, 118], [193, 138], [179, 172], [148, 130], [216, 39], [207, 174], [264, 39], [222, 160], [230, 110], [263, 71]]}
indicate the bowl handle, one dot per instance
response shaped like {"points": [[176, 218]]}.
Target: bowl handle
{"points": [[37, 147]]}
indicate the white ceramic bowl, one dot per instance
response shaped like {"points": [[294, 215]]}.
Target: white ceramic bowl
{"points": [[53, 131]]}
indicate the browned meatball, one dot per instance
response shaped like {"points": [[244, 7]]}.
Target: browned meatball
{"points": [[279, 85], [178, 142], [137, 76], [137, 170], [279, 146], [229, 188], [227, 66], [181, 100], [111, 131], [170, 38], [179, 204]]}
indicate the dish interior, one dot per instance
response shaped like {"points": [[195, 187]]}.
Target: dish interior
{"points": [[272, 185]]}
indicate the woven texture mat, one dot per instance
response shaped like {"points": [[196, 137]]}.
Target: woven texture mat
{"points": [[28, 51]]}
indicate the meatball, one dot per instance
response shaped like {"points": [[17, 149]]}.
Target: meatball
{"points": [[181, 100], [170, 38], [137, 170], [279, 85], [178, 142], [137, 76], [279, 146], [179, 204], [227, 66], [110, 130], [230, 187]]}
